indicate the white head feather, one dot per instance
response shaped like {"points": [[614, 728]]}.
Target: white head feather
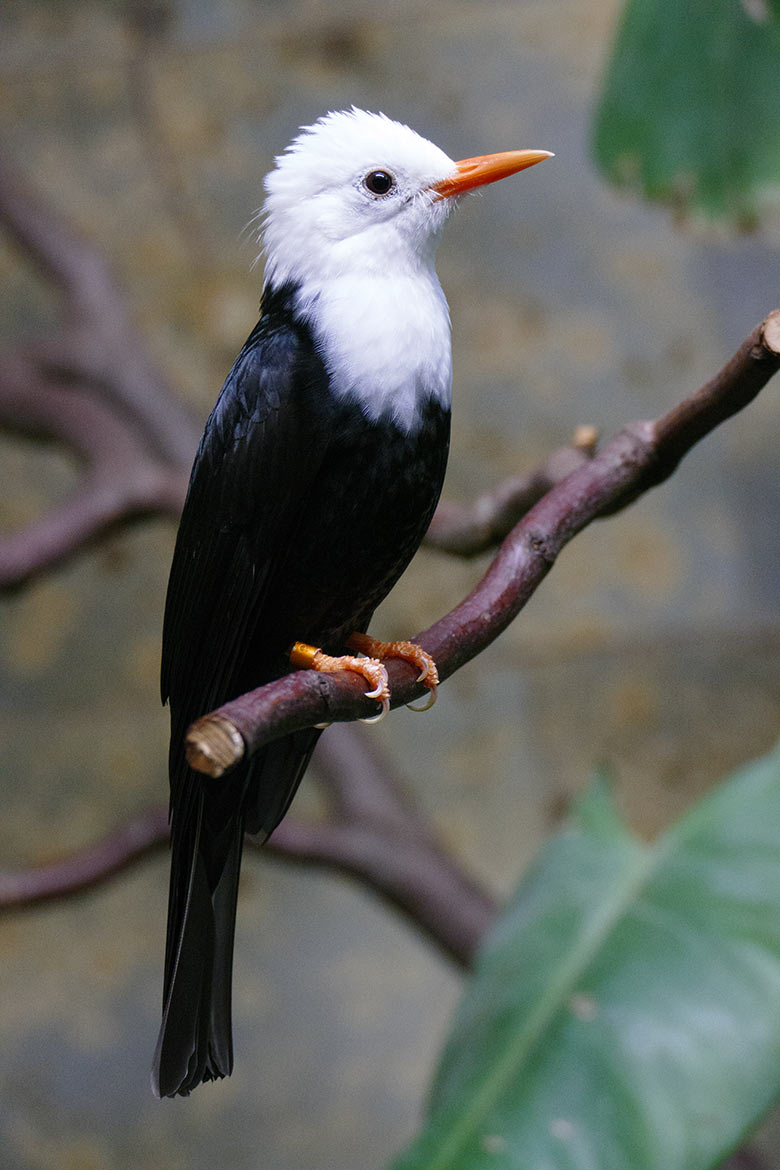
{"points": [[321, 219], [363, 262]]}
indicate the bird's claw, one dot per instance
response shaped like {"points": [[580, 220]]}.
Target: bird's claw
{"points": [[372, 670], [385, 708], [408, 651], [426, 706]]}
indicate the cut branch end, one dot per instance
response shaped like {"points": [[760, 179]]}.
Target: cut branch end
{"points": [[586, 438], [213, 745], [771, 331]]}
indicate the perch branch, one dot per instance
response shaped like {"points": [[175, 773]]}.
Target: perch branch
{"points": [[640, 456], [372, 832]]}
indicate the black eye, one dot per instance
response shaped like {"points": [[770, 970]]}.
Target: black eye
{"points": [[379, 182]]}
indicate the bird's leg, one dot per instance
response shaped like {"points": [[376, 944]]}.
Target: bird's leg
{"points": [[310, 657], [409, 652]]}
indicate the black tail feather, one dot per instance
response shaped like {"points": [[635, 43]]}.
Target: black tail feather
{"points": [[195, 1042]]}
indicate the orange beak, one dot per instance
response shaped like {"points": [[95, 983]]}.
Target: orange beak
{"points": [[487, 168]]}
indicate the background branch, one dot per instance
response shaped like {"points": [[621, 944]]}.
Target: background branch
{"points": [[89, 867], [373, 833], [91, 388], [377, 835], [466, 530], [97, 343]]}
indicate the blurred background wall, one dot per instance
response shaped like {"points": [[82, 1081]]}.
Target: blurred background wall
{"points": [[653, 646]]}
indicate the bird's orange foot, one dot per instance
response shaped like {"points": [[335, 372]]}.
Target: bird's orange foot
{"points": [[409, 652], [311, 658]]}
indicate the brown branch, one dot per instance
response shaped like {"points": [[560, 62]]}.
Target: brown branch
{"points": [[640, 456], [92, 388]]}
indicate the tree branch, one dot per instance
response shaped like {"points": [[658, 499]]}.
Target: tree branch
{"points": [[640, 456]]}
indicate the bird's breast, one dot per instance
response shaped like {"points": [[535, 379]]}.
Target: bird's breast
{"points": [[375, 495], [385, 344]]}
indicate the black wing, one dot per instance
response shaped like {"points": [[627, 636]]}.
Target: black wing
{"points": [[260, 452], [253, 471]]}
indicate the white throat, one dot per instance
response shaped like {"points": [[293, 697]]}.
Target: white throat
{"points": [[385, 343]]}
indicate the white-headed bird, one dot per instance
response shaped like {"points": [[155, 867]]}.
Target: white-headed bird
{"points": [[315, 481]]}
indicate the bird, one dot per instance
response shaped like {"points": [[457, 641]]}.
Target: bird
{"points": [[317, 475]]}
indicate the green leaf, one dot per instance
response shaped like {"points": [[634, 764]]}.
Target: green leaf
{"points": [[690, 112], [625, 1013]]}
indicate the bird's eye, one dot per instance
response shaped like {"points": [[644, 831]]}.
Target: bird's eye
{"points": [[379, 182]]}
